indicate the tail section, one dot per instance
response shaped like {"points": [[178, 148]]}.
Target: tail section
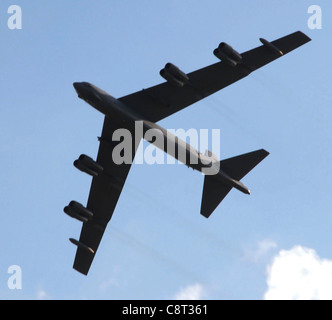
{"points": [[214, 192], [240, 166], [231, 172]]}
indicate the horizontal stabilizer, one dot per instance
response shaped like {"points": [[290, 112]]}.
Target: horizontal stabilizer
{"points": [[215, 190], [240, 166], [213, 193]]}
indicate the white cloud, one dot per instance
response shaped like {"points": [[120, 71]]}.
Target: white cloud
{"points": [[263, 248], [42, 295], [299, 274], [192, 292]]}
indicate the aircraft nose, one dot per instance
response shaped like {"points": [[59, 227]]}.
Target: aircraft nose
{"points": [[77, 86]]}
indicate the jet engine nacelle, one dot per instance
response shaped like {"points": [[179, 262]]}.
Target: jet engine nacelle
{"points": [[88, 165], [174, 75], [227, 54], [78, 211]]}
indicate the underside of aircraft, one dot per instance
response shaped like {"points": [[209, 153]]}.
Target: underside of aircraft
{"points": [[150, 106]]}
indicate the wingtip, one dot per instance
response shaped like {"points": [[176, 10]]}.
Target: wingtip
{"points": [[266, 152], [305, 36], [83, 272]]}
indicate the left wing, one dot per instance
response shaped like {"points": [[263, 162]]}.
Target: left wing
{"points": [[104, 194], [161, 101]]}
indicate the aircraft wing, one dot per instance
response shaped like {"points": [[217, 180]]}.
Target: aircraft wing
{"points": [[104, 195], [161, 101]]}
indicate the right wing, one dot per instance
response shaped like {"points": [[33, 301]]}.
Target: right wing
{"points": [[105, 191], [161, 101]]}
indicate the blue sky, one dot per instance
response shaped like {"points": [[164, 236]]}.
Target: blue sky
{"points": [[157, 245]]}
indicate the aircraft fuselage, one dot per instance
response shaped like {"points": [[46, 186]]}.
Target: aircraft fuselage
{"points": [[163, 139]]}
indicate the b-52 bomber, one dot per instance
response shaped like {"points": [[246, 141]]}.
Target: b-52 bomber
{"points": [[150, 106]]}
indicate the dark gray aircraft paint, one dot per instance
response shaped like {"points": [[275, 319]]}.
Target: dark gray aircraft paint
{"points": [[150, 106]]}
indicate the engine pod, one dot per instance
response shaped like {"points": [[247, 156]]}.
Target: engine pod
{"points": [[174, 75], [227, 54], [78, 211], [88, 165]]}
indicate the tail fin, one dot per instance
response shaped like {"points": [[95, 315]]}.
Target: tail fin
{"points": [[214, 192], [236, 168], [240, 166]]}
